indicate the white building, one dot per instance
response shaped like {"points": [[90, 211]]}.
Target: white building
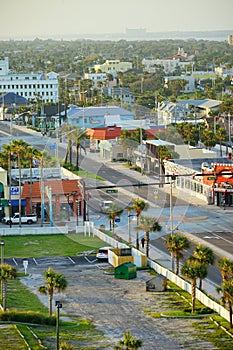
{"points": [[96, 77], [169, 65], [113, 66], [29, 85]]}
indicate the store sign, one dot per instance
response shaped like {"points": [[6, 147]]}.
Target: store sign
{"points": [[14, 191]]}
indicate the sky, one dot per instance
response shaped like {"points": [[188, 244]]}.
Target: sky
{"points": [[49, 18]]}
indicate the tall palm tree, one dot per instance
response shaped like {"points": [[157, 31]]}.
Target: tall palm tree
{"points": [[113, 212], [67, 130], [148, 224], [78, 135], [204, 255], [54, 282], [32, 154], [226, 269], [221, 136], [138, 205], [19, 147], [192, 269], [7, 272], [176, 244]]}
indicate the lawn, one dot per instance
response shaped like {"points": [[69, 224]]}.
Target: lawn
{"points": [[48, 245]]}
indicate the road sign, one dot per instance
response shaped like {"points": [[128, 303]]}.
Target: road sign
{"points": [[111, 191], [117, 219]]}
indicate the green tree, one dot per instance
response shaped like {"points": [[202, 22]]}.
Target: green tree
{"points": [[113, 212], [192, 269], [53, 282], [128, 343], [138, 205], [204, 255], [7, 272], [148, 224], [78, 135], [176, 244], [221, 135], [226, 269], [19, 147], [208, 138]]}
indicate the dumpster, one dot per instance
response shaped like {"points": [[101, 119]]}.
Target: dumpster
{"points": [[126, 271]]}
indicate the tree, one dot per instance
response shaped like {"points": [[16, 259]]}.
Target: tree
{"points": [[221, 136], [226, 269], [54, 282], [32, 153], [113, 212], [7, 272], [192, 269], [208, 138], [176, 244], [77, 135], [205, 256], [138, 205], [19, 147], [148, 224], [129, 343]]}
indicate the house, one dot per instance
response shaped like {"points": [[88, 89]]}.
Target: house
{"points": [[122, 93], [113, 66], [100, 134], [93, 117]]}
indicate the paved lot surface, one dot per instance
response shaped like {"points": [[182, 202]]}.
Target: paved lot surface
{"points": [[115, 306]]}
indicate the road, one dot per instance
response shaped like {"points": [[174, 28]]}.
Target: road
{"points": [[212, 225]]}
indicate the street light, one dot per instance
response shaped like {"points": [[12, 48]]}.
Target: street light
{"points": [[58, 307]]}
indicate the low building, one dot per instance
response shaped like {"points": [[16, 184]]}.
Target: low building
{"points": [[113, 66], [97, 117]]}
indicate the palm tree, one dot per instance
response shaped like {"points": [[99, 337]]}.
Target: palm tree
{"points": [[138, 205], [67, 130], [176, 244], [148, 224], [77, 135], [227, 299], [32, 153], [192, 269], [226, 269], [205, 256], [54, 282], [7, 272], [221, 136], [129, 343], [19, 147], [113, 212]]}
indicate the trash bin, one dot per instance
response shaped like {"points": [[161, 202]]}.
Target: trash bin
{"points": [[126, 271]]}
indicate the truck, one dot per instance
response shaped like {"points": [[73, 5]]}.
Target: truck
{"points": [[25, 219]]}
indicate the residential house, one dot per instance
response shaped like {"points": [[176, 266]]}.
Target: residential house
{"points": [[113, 66], [93, 117]]}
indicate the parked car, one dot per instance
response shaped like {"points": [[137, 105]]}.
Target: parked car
{"points": [[25, 219], [102, 253]]}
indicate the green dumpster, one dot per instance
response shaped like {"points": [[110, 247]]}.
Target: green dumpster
{"points": [[126, 271]]}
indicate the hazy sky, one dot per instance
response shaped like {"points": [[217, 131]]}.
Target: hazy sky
{"points": [[46, 18]]}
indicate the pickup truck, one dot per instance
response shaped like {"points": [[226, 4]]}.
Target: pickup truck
{"points": [[25, 219]]}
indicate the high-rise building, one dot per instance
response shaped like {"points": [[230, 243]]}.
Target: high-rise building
{"points": [[230, 39]]}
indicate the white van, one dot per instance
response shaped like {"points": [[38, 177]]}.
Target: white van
{"points": [[105, 205]]}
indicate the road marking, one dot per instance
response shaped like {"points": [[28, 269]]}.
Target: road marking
{"points": [[71, 259]]}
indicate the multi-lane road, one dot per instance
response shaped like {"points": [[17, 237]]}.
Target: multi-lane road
{"points": [[212, 225]]}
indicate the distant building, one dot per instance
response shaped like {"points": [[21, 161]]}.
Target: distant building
{"points": [[96, 78], [113, 66], [122, 93], [230, 39], [32, 86]]}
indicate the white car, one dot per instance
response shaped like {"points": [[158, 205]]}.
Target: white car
{"points": [[102, 253]]}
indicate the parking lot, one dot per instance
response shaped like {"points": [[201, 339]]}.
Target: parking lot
{"points": [[115, 306]]}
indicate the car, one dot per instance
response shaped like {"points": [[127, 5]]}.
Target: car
{"points": [[102, 253], [105, 205]]}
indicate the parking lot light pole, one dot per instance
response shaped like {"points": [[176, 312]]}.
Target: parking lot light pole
{"points": [[58, 307]]}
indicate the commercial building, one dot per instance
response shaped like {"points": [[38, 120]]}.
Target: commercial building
{"points": [[33, 86]]}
